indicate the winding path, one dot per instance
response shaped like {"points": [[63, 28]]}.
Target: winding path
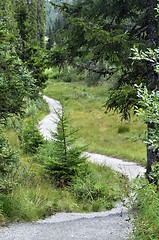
{"points": [[48, 124], [109, 225]]}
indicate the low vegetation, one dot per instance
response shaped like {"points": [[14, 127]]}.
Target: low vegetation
{"points": [[52, 176], [146, 224], [102, 132], [106, 133], [37, 190], [146, 205]]}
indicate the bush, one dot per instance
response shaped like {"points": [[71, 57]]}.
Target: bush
{"points": [[66, 74], [92, 79], [9, 163], [31, 137], [123, 128]]}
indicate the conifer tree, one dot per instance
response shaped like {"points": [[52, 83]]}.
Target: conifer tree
{"points": [[51, 38], [99, 35], [41, 21], [9, 162], [7, 15], [30, 17], [16, 82], [65, 160]]}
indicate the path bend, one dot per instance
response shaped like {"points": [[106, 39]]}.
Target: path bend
{"points": [[110, 225], [49, 123]]}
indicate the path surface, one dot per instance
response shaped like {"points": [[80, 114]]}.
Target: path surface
{"points": [[109, 225]]}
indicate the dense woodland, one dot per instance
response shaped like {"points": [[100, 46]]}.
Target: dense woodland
{"points": [[101, 41], [22, 40]]}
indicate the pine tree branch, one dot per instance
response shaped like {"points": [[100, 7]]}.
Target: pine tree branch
{"points": [[99, 70]]}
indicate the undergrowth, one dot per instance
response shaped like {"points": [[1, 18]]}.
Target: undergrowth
{"points": [[34, 195], [146, 205], [99, 190], [34, 198]]}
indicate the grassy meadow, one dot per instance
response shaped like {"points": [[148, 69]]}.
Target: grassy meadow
{"points": [[32, 195], [102, 132], [105, 133]]}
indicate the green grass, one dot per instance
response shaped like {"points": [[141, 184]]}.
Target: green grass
{"points": [[97, 129], [29, 203], [43, 110], [146, 222], [102, 133], [100, 189], [12, 138], [33, 198]]}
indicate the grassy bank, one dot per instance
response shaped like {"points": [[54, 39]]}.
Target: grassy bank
{"points": [[102, 132], [36, 198], [146, 205], [32, 195]]}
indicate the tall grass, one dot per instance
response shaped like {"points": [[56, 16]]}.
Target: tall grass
{"points": [[97, 129], [29, 203], [34, 196], [12, 138], [146, 224], [99, 190], [103, 133]]}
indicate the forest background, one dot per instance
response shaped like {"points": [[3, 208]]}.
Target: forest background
{"points": [[88, 45]]}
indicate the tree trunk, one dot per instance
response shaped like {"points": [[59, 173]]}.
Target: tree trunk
{"points": [[153, 77]]}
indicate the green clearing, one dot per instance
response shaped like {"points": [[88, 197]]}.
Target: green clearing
{"points": [[102, 132], [34, 196]]}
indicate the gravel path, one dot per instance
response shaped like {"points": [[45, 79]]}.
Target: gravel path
{"points": [[110, 225]]}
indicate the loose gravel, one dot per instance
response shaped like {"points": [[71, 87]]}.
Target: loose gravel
{"points": [[110, 225]]}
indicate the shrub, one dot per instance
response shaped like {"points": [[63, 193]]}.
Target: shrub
{"points": [[123, 128], [154, 174], [92, 79], [66, 74], [9, 163], [31, 137]]}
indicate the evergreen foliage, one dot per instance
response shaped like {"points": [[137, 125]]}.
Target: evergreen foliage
{"points": [[16, 82], [9, 162], [54, 23], [98, 36], [31, 137], [21, 61], [30, 17], [65, 161]]}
